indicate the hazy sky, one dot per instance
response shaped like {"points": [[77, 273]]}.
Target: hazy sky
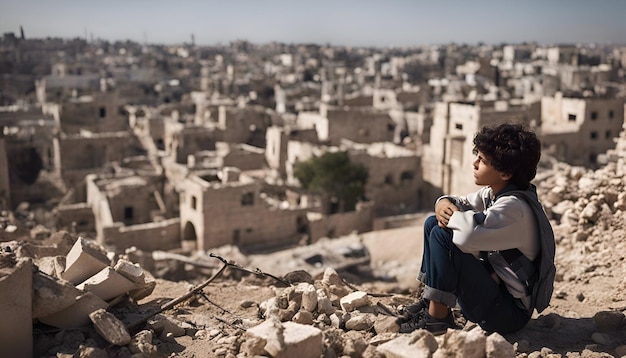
{"points": [[339, 22]]}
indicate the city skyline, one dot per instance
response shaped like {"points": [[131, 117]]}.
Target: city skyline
{"points": [[343, 23]]}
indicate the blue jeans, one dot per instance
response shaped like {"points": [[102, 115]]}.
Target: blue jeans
{"points": [[452, 276]]}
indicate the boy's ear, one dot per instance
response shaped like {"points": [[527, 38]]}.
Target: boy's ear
{"points": [[505, 176]]}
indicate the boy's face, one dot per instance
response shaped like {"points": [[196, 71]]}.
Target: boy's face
{"points": [[486, 175]]}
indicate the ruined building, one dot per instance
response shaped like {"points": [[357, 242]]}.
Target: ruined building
{"points": [[577, 130]]}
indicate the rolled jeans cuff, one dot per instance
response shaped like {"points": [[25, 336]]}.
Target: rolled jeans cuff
{"points": [[433, 294], [421, 277]]}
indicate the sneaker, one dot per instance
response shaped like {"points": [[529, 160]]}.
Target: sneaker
{"points": [[411, 310], [423, 320]]}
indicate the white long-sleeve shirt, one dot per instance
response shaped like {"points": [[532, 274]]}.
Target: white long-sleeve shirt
{"points": [[487, 223]]}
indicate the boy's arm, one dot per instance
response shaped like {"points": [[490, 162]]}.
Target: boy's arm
{"points": [[497, 228], [473, 201]]}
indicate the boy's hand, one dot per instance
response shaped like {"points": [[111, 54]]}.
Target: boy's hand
{"points": [[443, 211]]}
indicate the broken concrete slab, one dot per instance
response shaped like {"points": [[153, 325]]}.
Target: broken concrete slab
{"points": [[419, 343], [63, 241], [107, 284], [131, 271], [144, 291], [51, 265], [109, 327], [84, 260], [354, 300], [27, 249], [16, 328], [76, 315], [141, 343], [51, 295], [288, 339], [59, 244]]}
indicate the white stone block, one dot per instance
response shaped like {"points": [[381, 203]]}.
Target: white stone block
{"points": [[107, 284], [419, 343], [76, 315], [289, 339], [51, 295], [131, 271], [354, 300], [109, 327], [83, 261], [309, 296]]}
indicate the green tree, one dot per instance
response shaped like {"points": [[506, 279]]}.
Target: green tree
{"points": [[334, 176]]}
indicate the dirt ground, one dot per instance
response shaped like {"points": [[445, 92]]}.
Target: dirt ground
{"points": [[584, 287], [585, 319]]}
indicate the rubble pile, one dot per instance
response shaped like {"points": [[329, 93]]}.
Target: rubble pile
{"points": [[588, 211], [64, 296], [70, 282], [324, 317]]}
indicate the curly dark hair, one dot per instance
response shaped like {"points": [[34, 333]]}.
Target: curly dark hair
{"points": [[511, 149]]}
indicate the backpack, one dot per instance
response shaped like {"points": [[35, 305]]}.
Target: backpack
{"points": [[539, 274]]}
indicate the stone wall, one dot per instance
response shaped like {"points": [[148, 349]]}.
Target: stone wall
{"points": [[393, 183], [78, 216], [341, 224], [81, 155], [102, 114], [360, 126], [161, 235]]}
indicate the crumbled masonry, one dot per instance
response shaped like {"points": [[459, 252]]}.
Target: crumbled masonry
{"points": [[105, 303]]}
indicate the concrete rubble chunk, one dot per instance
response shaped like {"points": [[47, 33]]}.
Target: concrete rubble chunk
{"points": [[109, 327], [386, 324], [360, 322], [382, 338], [63, 241], [303, 317], [354, 344], [142, 343], [83, 261], [51, 295], [335, 285], [27, 249], [107, 284], [144, 291], [354, 300], [51, 265], [419, 343], [16, 329], [309, 296], [76, 315], [498, 347], [470, 344], [288, 339], [131, 271], [324, 305]]}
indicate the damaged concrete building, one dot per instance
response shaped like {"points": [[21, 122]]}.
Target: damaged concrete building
{"points": [[30, 165], [578, 130], [227, 207], [129, 210], [134, 132]]}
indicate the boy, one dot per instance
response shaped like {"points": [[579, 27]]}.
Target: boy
{"points": [[460, 239]]}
